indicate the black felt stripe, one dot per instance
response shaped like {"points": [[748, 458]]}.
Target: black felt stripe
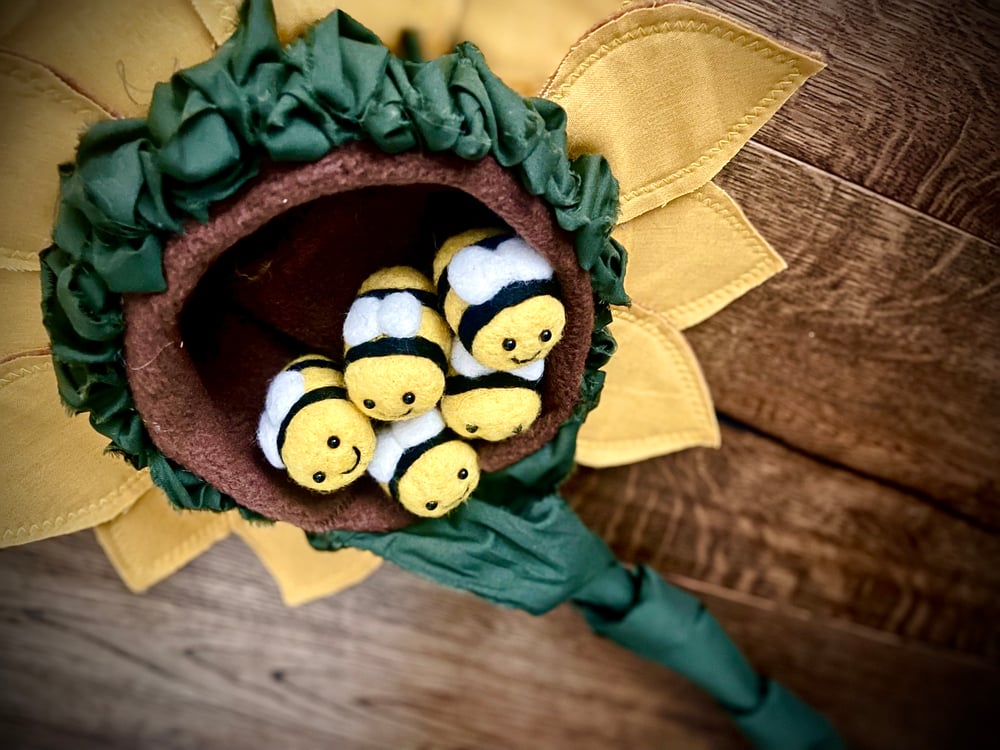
{"points": [[384, 347], [427, 299], [307, 363], [494, 241], [410, 456], [461, 384], [443, 287], [477, 316], [311, 397]]}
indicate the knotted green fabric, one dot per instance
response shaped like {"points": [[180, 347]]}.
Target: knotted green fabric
{"points": [[535, 554]]}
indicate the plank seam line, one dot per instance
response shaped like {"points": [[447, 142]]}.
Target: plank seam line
{"points": [[895, 203], [924, 497], [849, 627]]}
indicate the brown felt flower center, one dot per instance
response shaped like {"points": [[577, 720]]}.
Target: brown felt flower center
{"points": [[271, 276]]}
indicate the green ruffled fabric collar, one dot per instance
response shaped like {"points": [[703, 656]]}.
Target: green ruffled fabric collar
{"points": [[208, 131]]}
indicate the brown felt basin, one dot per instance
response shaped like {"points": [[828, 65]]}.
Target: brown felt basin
{"points": [[271, 277]]}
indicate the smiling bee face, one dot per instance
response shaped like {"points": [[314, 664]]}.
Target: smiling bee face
{"points": [[393, 387], [441, 479], [520, 334], [491, 413], [327, 445]]}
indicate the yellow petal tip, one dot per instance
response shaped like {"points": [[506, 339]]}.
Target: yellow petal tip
{"points": [[655, 399]]}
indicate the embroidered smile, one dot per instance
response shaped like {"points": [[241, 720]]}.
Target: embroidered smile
{"points": [[357, 460], [525, 361]]}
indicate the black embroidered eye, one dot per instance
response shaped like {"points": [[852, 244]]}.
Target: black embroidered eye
{"points": [[319, 477], [431, 505], [509, 344], [333, 441], [369, 404], [463, 473], [471, 428], [545, 335], [408, 398]]}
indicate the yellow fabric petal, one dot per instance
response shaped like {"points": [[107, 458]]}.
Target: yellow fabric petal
{"points": [[111, 50], [152, 540], [669, 94], [43, 118], [524, 40], [655, 399], [694, 256], [433, 20], [302, 572], [21, 329], [54, 475]]}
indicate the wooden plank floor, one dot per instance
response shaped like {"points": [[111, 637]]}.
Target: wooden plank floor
{"points": [[847, 534]]}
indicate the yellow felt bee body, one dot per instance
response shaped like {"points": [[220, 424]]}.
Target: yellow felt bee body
{"points": [[396, 346], [488, 404], [311, 429], [500, 297], [424, 466]]}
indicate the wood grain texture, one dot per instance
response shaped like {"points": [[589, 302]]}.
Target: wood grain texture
{"points": [[211, 658], [758, 519], [847, 537], [908, 106], [878, 348]]}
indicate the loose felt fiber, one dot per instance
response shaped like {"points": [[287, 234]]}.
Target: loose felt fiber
{"points": [[300, 241]]}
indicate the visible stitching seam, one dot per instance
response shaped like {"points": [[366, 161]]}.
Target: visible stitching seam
{"points": [[171, 556], [699, 27], [81, 512], [757, 248], [19, 261], [690, 392], [61, 520], [63, 94]]}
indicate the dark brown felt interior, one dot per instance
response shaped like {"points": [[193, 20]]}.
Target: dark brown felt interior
{"points": [[271, 277]]}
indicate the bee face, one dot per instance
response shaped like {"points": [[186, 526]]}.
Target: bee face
{"points": [[491, 413], [328, 445], [440, 480], [394, 387], [520, 334]]}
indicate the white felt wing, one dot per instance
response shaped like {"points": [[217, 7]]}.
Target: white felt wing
{"points": [[399, 315], [478, 273], [385, 457], [532, 372], [362, 322], [287, 387], [465, 364], [410, 432], [267, 438]]}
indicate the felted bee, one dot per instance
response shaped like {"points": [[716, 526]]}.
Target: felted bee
{"points": [[424, 465], [311, 429], [500, 297], [396, 346], [483, 403]]}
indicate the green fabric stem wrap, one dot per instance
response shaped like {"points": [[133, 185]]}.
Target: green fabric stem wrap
{"points": [[534, 553], [208, 132]]}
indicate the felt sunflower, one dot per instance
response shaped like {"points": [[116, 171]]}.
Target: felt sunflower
{"points": [[692, 251], [192, 253]]}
